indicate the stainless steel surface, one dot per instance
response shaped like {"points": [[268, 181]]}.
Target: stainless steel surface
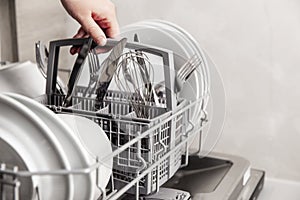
{"points": [[220, 176], [254, 186], [164, 194], [214, 178], [109, 66]]}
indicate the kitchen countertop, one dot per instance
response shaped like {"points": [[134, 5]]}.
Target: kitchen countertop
{"points": [[278, 189]]}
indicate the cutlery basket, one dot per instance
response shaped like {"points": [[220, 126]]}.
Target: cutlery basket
{"points": [[146, 151], [117, 118]]}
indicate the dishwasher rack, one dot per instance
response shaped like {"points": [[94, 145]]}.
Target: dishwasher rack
{"points": [[148, 177], [146, 151]]}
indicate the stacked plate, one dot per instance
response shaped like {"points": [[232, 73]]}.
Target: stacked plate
{"points": [[37, 140], [22, 78], [167, 35]]}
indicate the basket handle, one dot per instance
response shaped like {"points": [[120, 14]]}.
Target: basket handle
{"points": [[166, 55]]}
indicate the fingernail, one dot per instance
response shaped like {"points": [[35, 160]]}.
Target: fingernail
{"points": [[101, 41]]}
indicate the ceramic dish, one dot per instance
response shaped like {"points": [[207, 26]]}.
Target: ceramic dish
{"points": [[189, 47], [95, 141], [167, 26], [192, 43], [158, 37], [180, 35], [216, 105], [216, 91], [12, 158], [37, 146], [83, 184], [22, 78], [216, 108]]}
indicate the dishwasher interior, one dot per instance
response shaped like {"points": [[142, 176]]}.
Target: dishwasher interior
{"points": [[151, 92]]}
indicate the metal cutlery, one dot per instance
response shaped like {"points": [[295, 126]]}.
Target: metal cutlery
{"points": [[76, 71], [145, 74], [108, 66], [129, 81], [94, 67], [181, 77], [185, 71]]}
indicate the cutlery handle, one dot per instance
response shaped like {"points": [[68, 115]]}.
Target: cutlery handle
{"points": [[101, 92], [76, 71]]}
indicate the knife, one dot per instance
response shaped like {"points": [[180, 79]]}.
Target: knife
{"points": [[76, 71], [109, 67]]}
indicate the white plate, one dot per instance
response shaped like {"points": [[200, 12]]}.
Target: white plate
{"points": [[22, 78], [84, 185], [11, 157], [190, 41], [37, 145], [217, 104], [188, 46], [185, 39], [158, 37], [185, 47], [95, 141], [216, 108]]}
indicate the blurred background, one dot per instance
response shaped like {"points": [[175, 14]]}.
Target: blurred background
{"points": [[254, 43]]}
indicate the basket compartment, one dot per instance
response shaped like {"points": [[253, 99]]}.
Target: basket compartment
{"points": [[119, 125]]}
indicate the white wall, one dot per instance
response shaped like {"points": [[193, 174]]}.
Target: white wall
{"points": [[43, 20], [256, 45]]}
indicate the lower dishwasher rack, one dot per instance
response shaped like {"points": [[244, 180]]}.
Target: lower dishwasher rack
{"points": [[157, 147]]}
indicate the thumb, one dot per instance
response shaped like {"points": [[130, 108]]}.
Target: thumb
{"points": [[93, 29]]}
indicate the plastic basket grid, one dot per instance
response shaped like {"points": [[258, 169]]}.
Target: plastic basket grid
{"points": [[120, 130]]}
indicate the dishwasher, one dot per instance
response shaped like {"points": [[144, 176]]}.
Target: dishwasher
{"points": [[153, 91]]}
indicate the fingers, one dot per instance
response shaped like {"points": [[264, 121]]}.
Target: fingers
{"points": [[111, 27], [92, 28], [106, 17], [97, 18], [80, 34]]}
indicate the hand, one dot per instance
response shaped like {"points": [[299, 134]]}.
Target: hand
{"points": [[97, 18]]}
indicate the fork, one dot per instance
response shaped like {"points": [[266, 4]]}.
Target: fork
{"points": [[181, 77], [94, 67], [185, 71]]}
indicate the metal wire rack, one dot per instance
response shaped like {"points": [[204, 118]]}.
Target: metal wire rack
{"points": [[142, 162], [146, 151]]}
